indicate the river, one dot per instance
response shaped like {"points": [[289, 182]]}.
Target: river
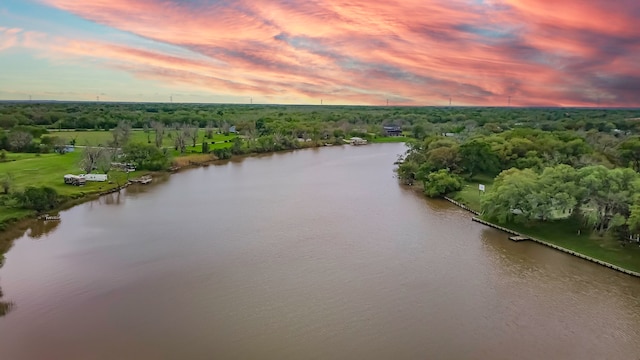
{"points": [[312, 254]]}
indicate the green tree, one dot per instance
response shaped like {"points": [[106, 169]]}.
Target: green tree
{"points": [[146, 157], [38, 198], [630, 153], [418, 131], [6, 182], [510, 197], [441, 182], [607, 195], [478, 157], [236, 147]]}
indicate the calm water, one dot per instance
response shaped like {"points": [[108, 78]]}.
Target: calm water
{"points": [[314, 254]]}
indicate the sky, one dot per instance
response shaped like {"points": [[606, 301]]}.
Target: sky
{"points": [[334, 52]]}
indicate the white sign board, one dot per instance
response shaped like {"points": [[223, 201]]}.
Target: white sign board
{"points": [[481, 187]]}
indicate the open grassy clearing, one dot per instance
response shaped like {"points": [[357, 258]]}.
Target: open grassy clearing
{"points": [[48, 170], [388, 139], [470, 194]]}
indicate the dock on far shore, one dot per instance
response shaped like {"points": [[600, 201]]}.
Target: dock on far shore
{"points": [[142, 180]]}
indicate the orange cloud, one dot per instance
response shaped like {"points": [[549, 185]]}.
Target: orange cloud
{"points": [[565, 52]]}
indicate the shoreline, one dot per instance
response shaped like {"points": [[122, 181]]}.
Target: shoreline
{"points": [[12, 224], [477, 218], [554, 246]]}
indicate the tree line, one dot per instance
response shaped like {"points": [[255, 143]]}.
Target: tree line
{"points": [[540, 175]]}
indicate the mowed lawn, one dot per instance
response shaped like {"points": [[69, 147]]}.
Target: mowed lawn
{"points": [[101, 138], [49, 169], [470, 194]]}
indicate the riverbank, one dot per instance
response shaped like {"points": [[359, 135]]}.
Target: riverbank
{"points": [[48, 169], [564, 235]]}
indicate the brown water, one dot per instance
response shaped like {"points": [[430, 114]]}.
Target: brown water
{"points": [[314, 254]]}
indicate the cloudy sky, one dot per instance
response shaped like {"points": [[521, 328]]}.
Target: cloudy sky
{"points": [[407, 52]]}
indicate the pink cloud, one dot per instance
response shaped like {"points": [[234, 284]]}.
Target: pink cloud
{"points": [[556, 53]]}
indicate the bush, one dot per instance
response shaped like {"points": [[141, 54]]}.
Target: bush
{"points": [[441, 182], [38, 198], [222, 153]]}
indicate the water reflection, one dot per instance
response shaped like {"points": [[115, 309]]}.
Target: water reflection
{"points": [[5, 306], [39, 228]]}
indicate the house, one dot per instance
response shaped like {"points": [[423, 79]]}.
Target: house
{"points": [[232, 129], [392, 130]]}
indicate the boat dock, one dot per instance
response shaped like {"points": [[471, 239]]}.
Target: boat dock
{"points": [[518, 238], [142, 180]]}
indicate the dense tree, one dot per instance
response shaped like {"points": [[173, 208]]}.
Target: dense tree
{"points": [[478, 157], [630, 153], [6, 181], [38, 198], [441, 182], [608, 195], [147, 157]]}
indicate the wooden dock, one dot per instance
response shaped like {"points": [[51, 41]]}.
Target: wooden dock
{"points": [[518, 238], [142, 180], [554, 246]]}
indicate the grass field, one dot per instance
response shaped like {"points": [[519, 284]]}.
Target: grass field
{"points": [[97, 138], [48, 170], [388, 139], [470, 194]]}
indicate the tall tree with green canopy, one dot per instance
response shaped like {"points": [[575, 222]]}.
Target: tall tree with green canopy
{"points": [[608, 195], [441, 182], [510, 197], [478, 157], [630, 153]]}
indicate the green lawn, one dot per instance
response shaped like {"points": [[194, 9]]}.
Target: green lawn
{"points": [[95, 138], [10, 214], [388, 139], [470, 194], [48, 170]]}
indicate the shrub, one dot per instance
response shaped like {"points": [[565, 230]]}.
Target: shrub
{"points": [[38, 198], [441, 182]]}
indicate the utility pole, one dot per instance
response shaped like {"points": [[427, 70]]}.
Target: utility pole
{"points": [[449, 101], [320, 101]]}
